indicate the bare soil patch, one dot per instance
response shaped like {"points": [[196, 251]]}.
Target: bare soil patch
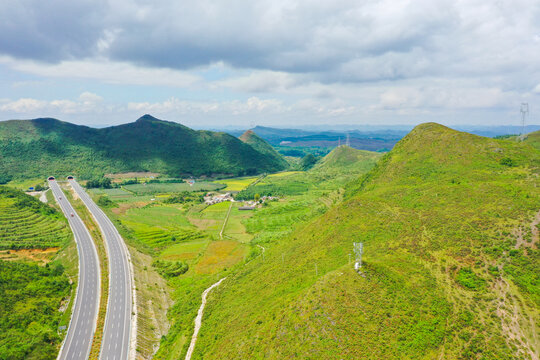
{"points": [[43, 256]]}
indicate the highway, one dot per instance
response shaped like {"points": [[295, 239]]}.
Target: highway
{"points": [[117, 331], [82, 326]]}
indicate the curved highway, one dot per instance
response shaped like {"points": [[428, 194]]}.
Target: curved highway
{"points": [[82, 326], [117, 332]]}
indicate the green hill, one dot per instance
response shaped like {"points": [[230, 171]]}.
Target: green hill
{"points": [[39, 147], [533, 139], [25, 222], [250, 138], [449, 223], [345, 158]]}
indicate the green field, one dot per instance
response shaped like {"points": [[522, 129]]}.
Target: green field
{"points": [[113, 194], [162, 188], [236, 184], [25, 222], [158, 227]]}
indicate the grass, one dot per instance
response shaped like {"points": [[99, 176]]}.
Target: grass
{"points": [[236, 184], [221, 255], [283, 173], [35, 280], [113, 194], [159, 226], [235, 228], [153, 301], [161, 188], [152, 224], [26, 223], [187, 251], [436, 215], [30, 296]]}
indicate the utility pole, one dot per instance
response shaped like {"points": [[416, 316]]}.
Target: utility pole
{"points": [[524, 112], [358, 251]]}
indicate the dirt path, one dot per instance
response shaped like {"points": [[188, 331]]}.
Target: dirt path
{"points": [[198, 319], [225, 222]]}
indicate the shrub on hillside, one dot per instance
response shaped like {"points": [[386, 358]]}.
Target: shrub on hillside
{"points": [[467, 278], [170, 269]]}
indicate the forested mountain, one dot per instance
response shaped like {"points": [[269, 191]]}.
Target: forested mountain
{"points": [[449, 223], [39, 147], [251, 138]]}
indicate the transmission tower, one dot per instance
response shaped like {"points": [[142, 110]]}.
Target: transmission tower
{"points": [[524, 112], [358, 251]]}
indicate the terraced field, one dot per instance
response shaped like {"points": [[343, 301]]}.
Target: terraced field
{"points": [[158, 227], [163, 188], [27, 223]]}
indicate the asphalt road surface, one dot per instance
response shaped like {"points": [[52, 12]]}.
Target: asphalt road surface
{"points": [[117, 331], [78, 340]]}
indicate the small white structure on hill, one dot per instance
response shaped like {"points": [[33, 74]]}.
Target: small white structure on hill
{"points": [[358, 251]]}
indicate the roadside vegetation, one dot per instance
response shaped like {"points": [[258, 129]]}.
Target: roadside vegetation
{"points": [[37, 262], [26, 222]]}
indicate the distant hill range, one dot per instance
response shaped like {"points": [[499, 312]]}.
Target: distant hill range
{"points": [[373, 138], [45, 146], [374, 141]]}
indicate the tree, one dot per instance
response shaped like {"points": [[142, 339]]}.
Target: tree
{"points": [[256, 197], [308, 161]]}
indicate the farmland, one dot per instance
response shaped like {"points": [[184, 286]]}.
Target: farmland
{"points": [[189, 232], [162, 188], [36, 257], [37, 225]]}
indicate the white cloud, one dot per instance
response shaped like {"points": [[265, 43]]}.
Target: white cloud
{"points": [[87, 103], [297, 59], [120, 73]]}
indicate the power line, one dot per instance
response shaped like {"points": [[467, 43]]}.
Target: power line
{"points": [[524, 109]]}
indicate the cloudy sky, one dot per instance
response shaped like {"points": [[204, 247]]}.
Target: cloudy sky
{"points": [[213, 63]]}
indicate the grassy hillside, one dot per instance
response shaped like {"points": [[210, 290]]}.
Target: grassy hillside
{"points": [[33, 283], [30, 296], [25, 222], [250, 138], [40, 147], [533, 139], [344, 158], [449, 223]]}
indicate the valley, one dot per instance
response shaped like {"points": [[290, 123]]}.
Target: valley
{"points": [[448, 220]]}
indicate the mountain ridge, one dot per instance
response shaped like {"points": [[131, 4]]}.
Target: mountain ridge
{"points": [[46, 145]]}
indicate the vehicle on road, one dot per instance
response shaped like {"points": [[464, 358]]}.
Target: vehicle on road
{"points": [[72, 215]]}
